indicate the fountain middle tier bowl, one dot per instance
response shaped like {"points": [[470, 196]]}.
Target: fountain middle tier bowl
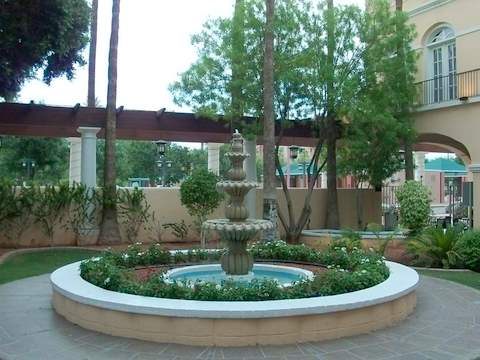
{"points": [[242, 186], [283, 275], [247, 225]]}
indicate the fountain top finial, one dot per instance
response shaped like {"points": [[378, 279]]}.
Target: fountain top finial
{"points": [[237, 142]]}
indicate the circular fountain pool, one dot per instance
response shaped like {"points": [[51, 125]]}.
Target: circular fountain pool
{"points": [[284, 275]]}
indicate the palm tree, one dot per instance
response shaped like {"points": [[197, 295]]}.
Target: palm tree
{"points": [[332, 130], [269, 178], [109, 230], [408, 151], [92, 55]]}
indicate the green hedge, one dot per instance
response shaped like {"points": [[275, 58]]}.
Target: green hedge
{"points": [[348, 269], [468, 249]]}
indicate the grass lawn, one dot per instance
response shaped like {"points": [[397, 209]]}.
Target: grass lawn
{"points": [[468, 278], [40, 262]]}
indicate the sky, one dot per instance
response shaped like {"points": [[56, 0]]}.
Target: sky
{"points": [[154, 47]]}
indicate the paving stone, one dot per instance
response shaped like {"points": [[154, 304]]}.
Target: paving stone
{"points": [[102, 340], [403, 347], [368, 339], [446, 325], [242, 352], [340, 355], [372, 352], [146, 356], [332, 345], [142, 346], [411, 356], [184, 351], [281, 350], [114, 354], [436, 355]]}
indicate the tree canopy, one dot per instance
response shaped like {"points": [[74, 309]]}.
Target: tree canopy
{"points": [[50, 157], [40, 35], [349, 71]]}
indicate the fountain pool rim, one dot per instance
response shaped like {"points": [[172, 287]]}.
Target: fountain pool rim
{"points": [[67, 282], [234, 323], [301, 273]]}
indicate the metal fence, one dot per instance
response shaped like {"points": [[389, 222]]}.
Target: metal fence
{"points": [[459, 86]]}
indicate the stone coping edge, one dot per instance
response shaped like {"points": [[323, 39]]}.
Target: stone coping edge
{"points": [[363, 234], [67, 282]]}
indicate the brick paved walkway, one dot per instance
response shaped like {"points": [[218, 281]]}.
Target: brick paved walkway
{"points": [[446, 325]]}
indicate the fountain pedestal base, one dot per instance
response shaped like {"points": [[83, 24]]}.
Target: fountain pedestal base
{"points": [[236, 260]]}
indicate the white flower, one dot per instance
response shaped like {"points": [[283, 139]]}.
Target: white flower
{"points": [[125, 256], [95, 259], [107, 280]]}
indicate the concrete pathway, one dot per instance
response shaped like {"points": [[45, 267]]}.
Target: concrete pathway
{"points": [[446, 325]]}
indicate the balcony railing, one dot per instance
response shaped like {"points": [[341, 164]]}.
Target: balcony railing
{"points": [[461, 86]]}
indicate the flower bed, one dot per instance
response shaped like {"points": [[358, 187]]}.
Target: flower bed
{"points": [[348, 269]]}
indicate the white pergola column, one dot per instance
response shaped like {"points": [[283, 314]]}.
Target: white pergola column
{"points": [[419, 165], [250, 167], [323, 180], [475, 169], [214, 157], [88, 172], [75, 160]]}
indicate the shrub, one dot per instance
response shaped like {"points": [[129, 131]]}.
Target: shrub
{"points": [[414, 202], [199, 195], [134, 212], [436, 246], [468, 249], [347, 271]]}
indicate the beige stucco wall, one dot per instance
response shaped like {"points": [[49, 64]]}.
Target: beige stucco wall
{"points": [[236, 332], [460, 15], [166, 205], [460, 123]]}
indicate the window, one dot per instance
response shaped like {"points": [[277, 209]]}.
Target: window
{"points": [[443, 64]]}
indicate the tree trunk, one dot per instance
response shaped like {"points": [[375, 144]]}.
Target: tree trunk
{"points": [[333, 221], [408, 154], [92, 55], [237, 61], [269, 178], [332, 218], [109, 230], [409, 166]]}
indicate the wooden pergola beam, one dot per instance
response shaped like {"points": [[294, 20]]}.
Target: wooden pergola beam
{"points": [[54, 121]]}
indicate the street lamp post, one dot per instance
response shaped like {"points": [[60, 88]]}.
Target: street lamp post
{"points": [[163, 166], [29, 166], [162, 163], [294, 152]]}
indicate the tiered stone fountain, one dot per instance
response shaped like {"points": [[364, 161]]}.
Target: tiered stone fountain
{"points": [[237, 229]]}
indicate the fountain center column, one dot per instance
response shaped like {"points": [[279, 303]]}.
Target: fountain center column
{"points": [[237, 229]]}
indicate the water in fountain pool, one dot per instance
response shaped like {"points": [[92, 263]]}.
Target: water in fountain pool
{"points": [[284, 275]]}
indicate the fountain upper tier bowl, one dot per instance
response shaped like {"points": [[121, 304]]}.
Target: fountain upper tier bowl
{"points": [[283, 275]]}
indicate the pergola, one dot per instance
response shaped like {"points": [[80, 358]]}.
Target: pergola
{"points": [[55, 121], [82, 125]]}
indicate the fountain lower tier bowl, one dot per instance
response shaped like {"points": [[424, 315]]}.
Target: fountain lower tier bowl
{"points": [[283, 275]]}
